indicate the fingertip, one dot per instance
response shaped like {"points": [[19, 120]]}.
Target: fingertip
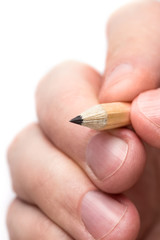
{"points": [[145, 116], [109, 217], [126, 81], [129, 226], [117, 159]]}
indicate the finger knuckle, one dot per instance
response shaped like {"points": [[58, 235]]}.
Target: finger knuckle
{"points": [[15, 143], [10, 215]]}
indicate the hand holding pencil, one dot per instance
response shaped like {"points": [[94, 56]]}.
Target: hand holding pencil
{"points": [[74, 183]]}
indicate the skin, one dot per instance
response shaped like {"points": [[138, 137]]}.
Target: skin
{"points": [[48, 160]]}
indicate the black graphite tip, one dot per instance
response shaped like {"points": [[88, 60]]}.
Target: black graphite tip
{"points": [[77, 120]]}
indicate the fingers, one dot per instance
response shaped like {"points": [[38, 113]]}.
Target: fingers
{"points": [[133, 65], [145, 115], [113, 161], [28, 222], [133, 57], [43, 175]]}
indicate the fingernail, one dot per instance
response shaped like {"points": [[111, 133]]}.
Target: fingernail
{"points": [[106, 154], [119, 73], [101, 213], [149, 105]]}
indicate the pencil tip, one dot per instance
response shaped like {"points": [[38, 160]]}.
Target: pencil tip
{"points": [[77, 120]]}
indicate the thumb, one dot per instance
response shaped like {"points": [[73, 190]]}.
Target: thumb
{"points": [[133, 59], [145, 116]]}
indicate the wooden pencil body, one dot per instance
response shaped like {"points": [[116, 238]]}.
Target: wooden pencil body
{"points": [[107, 116], [118, 115]]}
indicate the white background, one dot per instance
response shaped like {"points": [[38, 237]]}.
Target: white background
{"points": [[35, 35]]}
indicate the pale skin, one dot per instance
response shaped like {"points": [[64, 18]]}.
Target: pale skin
{"points": [[59, 169]]}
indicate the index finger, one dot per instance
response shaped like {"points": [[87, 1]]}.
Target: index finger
{"points": [[132, 67]]}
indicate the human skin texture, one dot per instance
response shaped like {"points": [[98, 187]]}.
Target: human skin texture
{"points": [[76, 183]]}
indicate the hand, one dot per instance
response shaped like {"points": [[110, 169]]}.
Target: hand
{"points": [[75, 183]]}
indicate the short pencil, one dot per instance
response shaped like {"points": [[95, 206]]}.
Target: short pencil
{"points": [[105, 116]]}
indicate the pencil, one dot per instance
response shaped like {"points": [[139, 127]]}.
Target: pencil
{"points": [[105, 116]]}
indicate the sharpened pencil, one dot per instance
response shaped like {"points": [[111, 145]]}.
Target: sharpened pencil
{"points": [[105, 116]]}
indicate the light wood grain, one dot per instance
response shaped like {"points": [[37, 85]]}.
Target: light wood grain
{"points": [[107, 116]]}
